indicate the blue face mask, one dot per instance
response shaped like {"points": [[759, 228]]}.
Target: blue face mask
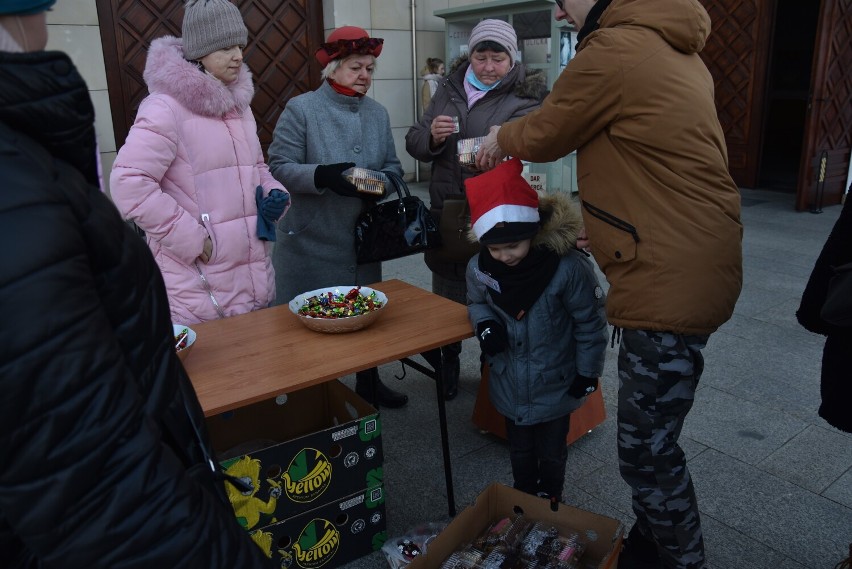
{"points": [[470, 77]]}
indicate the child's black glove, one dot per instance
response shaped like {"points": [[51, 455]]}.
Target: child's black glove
{"points": [[583, 386], [492, 337], [331, 176]]}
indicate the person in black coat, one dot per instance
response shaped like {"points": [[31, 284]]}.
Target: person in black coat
{"points": [[836, 378], [105, 458]]}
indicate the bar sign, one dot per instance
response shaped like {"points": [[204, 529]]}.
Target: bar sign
{"points": [[537, 181]]}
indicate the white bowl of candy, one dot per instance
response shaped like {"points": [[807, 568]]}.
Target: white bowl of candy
{"points": [[339, 309], [184, 340]]}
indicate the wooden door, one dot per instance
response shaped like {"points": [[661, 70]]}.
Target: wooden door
{"points": [[282, 38], [737, 55], [828, 124]]}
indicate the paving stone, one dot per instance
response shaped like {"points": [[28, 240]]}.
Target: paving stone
{"points": [[840, 490], [794, 522], [814, 459], [727, 547], [737, 427]]}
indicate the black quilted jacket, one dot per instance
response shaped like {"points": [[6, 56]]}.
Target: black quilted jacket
{"points": [[835, 387], [101, 460]]}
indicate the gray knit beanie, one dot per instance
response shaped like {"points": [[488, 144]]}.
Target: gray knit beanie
{"points": [[211, 25], [499, 32]]}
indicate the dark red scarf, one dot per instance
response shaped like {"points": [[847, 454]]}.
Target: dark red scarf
{"points": [[344, 90]]}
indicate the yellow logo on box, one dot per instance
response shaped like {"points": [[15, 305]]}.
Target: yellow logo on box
{"points": [[317, 545], [307, 476]]}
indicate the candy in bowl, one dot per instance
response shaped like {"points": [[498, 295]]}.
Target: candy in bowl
{"points": [[339, 309], [184, 340]]}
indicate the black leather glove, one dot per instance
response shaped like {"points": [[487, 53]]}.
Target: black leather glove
{"points": [[492, 337], [331, 176], [583, 386]]}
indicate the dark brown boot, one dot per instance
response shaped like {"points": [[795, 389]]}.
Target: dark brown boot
{"points": [[370, 387]]}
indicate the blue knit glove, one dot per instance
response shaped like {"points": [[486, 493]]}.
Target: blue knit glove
{"points": [[269, 209]]}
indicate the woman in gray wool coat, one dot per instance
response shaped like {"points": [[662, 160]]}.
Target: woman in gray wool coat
{"points": [[318, 136], [489, 88]]}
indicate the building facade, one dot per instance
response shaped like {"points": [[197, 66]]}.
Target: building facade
{"points": [[782, 76]]}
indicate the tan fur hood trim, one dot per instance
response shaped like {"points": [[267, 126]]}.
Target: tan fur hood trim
{"points": [[561, 222]]}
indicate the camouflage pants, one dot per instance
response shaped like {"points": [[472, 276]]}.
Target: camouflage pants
{"points": [[658, 373]]}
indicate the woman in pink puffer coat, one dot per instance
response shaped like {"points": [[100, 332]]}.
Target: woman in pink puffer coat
{"points": [[192, 174]]}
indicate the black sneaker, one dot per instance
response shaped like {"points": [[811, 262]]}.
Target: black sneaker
{"points": [[638, 552]]}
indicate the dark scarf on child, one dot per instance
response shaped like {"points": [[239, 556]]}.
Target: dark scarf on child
{"points": [[521, 285]]}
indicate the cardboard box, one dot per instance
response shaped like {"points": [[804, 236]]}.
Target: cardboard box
{"points": [[603, 535], [330, 535], [297, 452]]}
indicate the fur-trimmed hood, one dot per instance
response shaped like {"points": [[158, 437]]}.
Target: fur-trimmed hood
{"points": [[561, 222], [532, 84], [167, 72]]}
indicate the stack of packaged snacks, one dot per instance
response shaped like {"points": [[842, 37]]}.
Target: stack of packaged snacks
{"points": [[517, 543], [367, 181], [466, 148]]}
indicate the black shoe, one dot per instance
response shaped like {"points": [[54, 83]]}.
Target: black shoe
{"points": [[639, 552], [390, 398], [371, 388]]}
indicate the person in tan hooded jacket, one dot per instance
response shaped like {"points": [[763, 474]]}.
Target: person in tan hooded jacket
{"points": [[663, 218]]}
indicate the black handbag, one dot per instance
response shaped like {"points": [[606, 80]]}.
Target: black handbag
{"points": [[395, 228], [837, 308]]}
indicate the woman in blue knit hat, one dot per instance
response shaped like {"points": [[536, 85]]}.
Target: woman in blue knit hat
{"points": [[105, 459]]}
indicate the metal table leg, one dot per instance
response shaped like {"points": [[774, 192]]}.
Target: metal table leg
{"points": [[442, 418]]}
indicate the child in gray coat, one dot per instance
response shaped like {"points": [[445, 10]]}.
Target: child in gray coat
{"points": [[538, 312]]}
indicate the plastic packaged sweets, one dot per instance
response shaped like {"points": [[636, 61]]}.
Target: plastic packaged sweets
{"points": [[518, 543], [506, 531], [464, 559], [400, 551], [367, 181], [467, 148], [544, 543]]}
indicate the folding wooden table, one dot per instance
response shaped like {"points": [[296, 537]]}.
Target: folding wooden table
{"points": [[252, 357]]}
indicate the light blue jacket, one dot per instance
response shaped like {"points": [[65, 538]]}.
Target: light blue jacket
{"points": [[564, 333]]}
